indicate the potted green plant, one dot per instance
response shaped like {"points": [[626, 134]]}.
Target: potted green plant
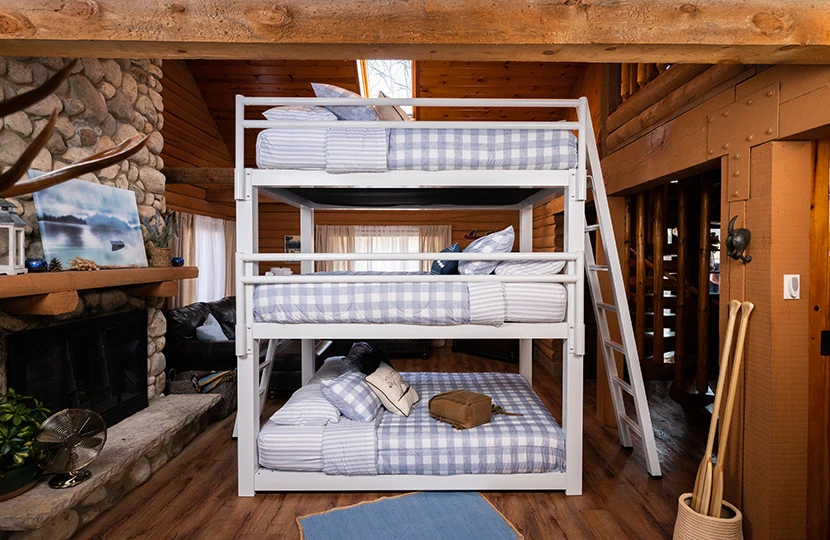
{"points": [[20, 418], [158, 233]]}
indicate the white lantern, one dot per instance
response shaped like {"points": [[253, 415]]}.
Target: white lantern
{"points": [[16, 227]]}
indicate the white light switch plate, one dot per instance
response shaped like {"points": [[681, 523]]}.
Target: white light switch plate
{"points": [[792, 286]]}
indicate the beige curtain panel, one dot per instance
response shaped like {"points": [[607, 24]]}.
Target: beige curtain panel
{"points": [[230, 258], [334, 239], [184, 245], [433, 238]]}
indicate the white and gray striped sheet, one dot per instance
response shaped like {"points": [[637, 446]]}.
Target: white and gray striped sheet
{"points": [[446, 149], [303, 149], [486, 303], [419, 444], [529, 268], [291, 448], [535, 302], [350, 448], [356, 150], [307, 407]]}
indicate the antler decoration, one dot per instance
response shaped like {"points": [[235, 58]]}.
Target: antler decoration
{"points": [[10, 184]]}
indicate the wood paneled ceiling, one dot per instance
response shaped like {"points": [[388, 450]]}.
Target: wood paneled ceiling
{"points": [[199, 96]]}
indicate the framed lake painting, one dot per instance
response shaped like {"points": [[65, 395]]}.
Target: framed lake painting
{"points": [[83, 219]]}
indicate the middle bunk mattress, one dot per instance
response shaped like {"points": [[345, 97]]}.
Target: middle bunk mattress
{"points": [[421, 303], [418, 444]]}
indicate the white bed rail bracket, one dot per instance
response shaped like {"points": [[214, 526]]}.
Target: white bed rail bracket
{"points": [[243, 185]]}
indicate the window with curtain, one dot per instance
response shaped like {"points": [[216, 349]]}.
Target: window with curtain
{"points": [[210, 258], [380, 239], [383, 239]]}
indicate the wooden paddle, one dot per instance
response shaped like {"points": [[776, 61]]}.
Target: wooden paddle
{"points": [[717, 478], [703, 482]]}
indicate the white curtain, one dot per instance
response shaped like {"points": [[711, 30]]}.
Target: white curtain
{"points": [[210, 258], [387, 239], [433, 238]]}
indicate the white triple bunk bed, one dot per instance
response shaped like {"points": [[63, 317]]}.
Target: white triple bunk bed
{"points": [[533, 189]]}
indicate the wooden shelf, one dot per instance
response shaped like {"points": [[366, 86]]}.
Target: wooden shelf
{"points": [[53, 293]]}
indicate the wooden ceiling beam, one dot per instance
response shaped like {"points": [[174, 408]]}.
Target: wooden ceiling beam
{"points": [[213, 176], [704, 31]]}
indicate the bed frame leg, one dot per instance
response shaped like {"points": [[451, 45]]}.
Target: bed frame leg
{"points": [[572, 420], [308, 359], [526, 359], [248, 419]]}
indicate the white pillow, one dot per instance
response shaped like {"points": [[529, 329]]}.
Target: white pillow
{"points": [[330, 370], [210, 330], [394, 392], [497, 242], [307, 407], [392, 113], [299, 114], [529, 268]]}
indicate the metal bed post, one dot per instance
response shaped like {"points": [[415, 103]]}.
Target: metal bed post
{"points": [[307, 267], [572, 387], [526, 246], [246, 348]]}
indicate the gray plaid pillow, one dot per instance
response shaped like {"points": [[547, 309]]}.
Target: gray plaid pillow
{"points": [[349, 112], [497, 242], [352, 396]]}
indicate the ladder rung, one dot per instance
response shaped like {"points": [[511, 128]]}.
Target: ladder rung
{"points": [[635, 427], [616, 346], [591, 228], [622, 384], [607, 307], [598, 267]]}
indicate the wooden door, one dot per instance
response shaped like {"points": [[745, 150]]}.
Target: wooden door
{"points": [[818, 445]]}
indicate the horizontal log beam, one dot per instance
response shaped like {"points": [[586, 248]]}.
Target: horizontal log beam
{"points": [[164, 289], [215, 176], [56, 303], [655, 90], [662, 110], [706, 31]]}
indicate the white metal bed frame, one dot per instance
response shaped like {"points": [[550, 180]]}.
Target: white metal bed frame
{"points": [[572, 183]]}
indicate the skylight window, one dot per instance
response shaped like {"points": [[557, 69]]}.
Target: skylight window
{"points": [[392, 77]]}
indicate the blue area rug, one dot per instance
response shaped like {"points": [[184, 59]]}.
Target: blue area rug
{"points": [[416, 516]]}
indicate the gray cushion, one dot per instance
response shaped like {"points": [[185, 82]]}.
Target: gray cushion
{"points": [[347, 112], [210, 330]]}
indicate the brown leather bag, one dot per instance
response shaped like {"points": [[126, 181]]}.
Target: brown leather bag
{"points": [[464, 409]]}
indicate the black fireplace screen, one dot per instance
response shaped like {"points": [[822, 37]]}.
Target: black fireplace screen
{"points": [[98, 364]]}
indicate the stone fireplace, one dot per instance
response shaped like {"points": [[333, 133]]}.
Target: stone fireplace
{"points": [[103, 102]]}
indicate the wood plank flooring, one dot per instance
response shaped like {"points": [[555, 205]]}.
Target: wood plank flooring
{"points": [[194, 495]]}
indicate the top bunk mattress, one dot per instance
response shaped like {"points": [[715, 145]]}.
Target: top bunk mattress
{"points": [[378, 150]]}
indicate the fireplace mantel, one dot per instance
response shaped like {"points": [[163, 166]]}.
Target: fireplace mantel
{"points": [[54, 293]]}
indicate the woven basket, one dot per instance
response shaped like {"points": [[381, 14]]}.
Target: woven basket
{"points": [[159, 257], [182, 383], [693, 526]]}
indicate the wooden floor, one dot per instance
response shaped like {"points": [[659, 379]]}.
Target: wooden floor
{"points": [[194, 495]]}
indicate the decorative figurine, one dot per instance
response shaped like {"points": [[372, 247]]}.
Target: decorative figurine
{"points": [[737, 242], [14, 227]]}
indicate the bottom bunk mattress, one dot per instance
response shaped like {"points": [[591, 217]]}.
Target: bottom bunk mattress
{"points": [[420, 303], [419, 444]]}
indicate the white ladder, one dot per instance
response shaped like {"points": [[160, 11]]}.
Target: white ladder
{"points": [[641, 425]]}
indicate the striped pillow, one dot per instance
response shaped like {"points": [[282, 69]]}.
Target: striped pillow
{"points": [[352, 396], [349, 112], [497, 242], [529, 268], [299, 114], [307, 407]]}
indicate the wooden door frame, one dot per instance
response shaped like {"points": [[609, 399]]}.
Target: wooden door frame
{"points": [[818, 445]]}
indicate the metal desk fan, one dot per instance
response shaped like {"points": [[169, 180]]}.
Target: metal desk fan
{"points": [[67, 442]]}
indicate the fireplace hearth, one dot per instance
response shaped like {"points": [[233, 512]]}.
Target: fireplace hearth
{"points": [[97, 363]]}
